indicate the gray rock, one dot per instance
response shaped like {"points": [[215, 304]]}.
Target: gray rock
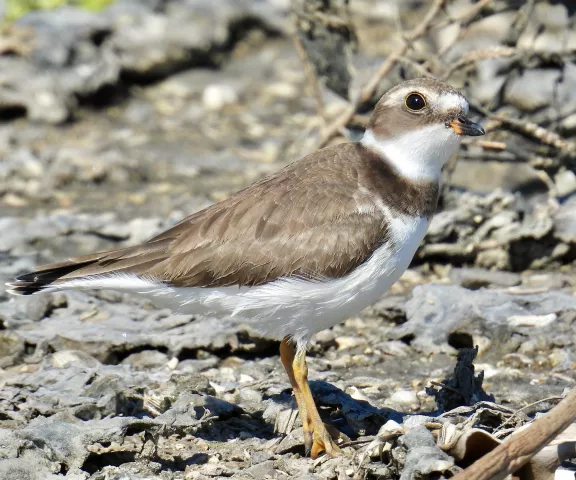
{"points": [[423, 458], [437, 310], [12, 348], [266, 469], [77, 54], [485, 176], [532, 89], [192, 408], [36, 308], [565, 182], [475, 278], [565, 221], [146, 360]]}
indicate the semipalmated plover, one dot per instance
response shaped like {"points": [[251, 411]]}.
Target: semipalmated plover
{"points": [[303, 249]]}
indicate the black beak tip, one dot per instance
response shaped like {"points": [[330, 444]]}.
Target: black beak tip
{"points": [[478, 131], [463, 126]]}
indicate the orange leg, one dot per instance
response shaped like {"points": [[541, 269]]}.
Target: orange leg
{"points": [[316, 436]]}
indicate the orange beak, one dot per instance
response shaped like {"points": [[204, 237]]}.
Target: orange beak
{"points": [[463, 126]]}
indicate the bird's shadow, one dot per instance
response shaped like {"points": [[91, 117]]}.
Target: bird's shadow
{"points": [[350, 416]]}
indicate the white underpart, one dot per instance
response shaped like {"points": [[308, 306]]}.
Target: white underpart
{"points": [[290, 306], [418, 155]]}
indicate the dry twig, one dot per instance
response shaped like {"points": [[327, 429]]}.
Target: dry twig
{"points": [[519, 448], [532, 131], [480, 54], [466, 17], [527, 407]]}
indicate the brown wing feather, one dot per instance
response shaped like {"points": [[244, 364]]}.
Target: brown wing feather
{"points": [[303, 221]]}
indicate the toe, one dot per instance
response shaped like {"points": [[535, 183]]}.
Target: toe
{"points": [[323, 442], [308, 442]]}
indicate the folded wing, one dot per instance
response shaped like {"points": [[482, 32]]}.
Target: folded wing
{"points": [[317, 218]]}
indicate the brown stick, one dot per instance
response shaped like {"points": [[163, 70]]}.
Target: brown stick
{"points": [[480, 54], [384, 69], [466, 17], [533, 131], [519, 448]]}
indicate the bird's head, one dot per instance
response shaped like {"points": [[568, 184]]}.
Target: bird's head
{"points": [[418, 126]]}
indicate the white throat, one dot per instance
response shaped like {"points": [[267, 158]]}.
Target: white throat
{"points": [[418, 155]]}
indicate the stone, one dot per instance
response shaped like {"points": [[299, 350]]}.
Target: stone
{"points": [[565, 221], [147, 359], [436, 310], [485, 176], [347, 343], [533, 89], [537, 321], [565, 183], [216, 97], [475, 278], [423, 457], [12, 348], [404, 398]]}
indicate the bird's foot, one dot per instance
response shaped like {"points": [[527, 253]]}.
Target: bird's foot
{"points": [[321, 438]]}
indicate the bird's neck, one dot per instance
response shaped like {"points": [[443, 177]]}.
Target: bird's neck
{"points": [[417, 155]]}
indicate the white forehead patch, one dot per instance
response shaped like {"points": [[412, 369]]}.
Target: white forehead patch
{"points": [[454, 100]]}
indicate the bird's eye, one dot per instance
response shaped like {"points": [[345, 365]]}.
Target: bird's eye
{"points": [[414, 102]]}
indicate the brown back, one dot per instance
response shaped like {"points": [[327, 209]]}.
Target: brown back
{"points": [[303, 221]]}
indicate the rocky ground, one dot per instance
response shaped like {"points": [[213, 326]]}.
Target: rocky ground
{"points": [[117, 124]]}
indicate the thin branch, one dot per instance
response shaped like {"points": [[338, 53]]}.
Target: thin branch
{"points": [[527, 407], [532, 131], [520, 447], [480, 54], [520, 22], [466, 17]]}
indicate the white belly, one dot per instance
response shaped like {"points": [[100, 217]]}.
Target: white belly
{"points": [[300, 308], [294, 307]]}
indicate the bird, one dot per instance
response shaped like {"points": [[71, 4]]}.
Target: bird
{"points": [[303, 249]]}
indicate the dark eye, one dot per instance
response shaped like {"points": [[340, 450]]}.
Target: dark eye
{"points": [[415, 102]]}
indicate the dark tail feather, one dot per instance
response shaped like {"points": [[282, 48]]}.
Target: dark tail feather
{"points": [[136, 260], [34, 282]]}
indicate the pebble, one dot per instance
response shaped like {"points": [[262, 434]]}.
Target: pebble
{"points": [[405, 398], [11, 348], [559, 358], [532, 89], [248, 395], [538, 321], [565, 182], [216, 97], [146, 360], [517, 360], [395, 348], [64, 358], [345, 343]]}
